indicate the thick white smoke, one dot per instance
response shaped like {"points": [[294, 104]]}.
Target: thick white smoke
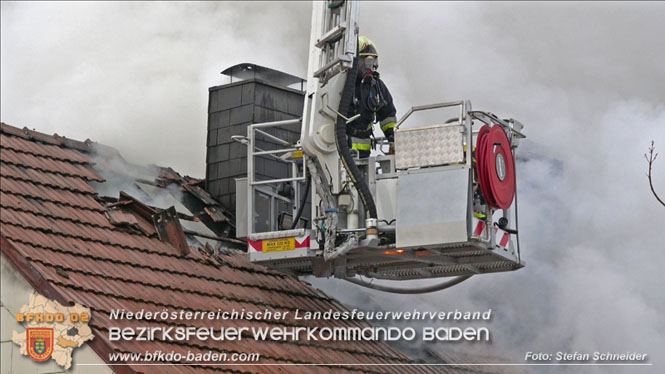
{"points": [[135, 75], [585, 79]]}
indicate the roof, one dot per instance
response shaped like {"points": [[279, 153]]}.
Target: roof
{"points": [[75, 246]]}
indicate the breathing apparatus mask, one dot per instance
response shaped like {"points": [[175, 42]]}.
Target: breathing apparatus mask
{"points": [[368, 64]]}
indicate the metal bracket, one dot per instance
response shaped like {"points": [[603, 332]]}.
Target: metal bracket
{"points": [[240, 139], [324, 97], [329, 205]]}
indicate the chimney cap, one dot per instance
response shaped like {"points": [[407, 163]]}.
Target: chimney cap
{"points": [[252, 71]]}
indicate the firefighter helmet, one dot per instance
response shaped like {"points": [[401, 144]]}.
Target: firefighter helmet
{"points": [[366, 47]]}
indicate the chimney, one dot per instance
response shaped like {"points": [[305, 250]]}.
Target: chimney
{"points": [[255, 94]]}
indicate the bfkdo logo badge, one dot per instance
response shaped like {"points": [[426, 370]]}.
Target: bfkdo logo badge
{"points": [[40, 343]]}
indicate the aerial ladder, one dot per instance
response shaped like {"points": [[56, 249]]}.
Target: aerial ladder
{"points": [[444, 204]]}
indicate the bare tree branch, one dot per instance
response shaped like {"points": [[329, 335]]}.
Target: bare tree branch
{"points": [[650, 159]]}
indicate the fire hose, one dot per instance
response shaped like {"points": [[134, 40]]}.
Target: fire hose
{"points": [[343, 145], [426, 289]]}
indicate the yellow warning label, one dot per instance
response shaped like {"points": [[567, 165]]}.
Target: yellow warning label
{"points": [[278, 245]]}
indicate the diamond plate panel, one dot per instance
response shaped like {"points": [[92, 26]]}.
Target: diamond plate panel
{"points": [[429, 146]]}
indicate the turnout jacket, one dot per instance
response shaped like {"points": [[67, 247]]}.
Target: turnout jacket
{"points": [[373, 102]]}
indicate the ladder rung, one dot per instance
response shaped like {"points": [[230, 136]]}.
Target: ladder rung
{"points": [[329, 65], [332, 36]]}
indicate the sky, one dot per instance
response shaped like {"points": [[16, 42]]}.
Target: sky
{"points": [[586, 80]]}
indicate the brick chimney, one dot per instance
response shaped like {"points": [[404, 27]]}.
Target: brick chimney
{"points": [[255, 94]]}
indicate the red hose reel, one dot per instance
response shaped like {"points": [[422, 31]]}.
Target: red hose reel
{"points": [[495, 167]]}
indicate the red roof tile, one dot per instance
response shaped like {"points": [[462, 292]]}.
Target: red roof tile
{"points": [[66, 244], [49, 165], [45, 150], [45, 193], [47, 179]]}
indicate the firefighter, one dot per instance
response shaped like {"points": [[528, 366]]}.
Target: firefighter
{"points": [[371, 100]]}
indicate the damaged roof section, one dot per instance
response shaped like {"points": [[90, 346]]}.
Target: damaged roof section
{"points": [[78, 244], [160, 188]]}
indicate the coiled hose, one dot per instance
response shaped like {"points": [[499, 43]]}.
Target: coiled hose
{"points": [[343, 144]]}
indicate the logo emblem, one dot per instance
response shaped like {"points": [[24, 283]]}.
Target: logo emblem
{"points": [[40, 343]]}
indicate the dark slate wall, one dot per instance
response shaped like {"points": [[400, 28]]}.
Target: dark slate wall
{"points": [[231, 108]]}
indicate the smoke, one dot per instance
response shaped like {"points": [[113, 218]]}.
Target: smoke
{"points": [[135, 75], [585, 79], [137, 181]]}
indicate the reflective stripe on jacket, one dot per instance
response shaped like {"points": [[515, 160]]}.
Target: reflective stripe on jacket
{"points": [[361, 144]]}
